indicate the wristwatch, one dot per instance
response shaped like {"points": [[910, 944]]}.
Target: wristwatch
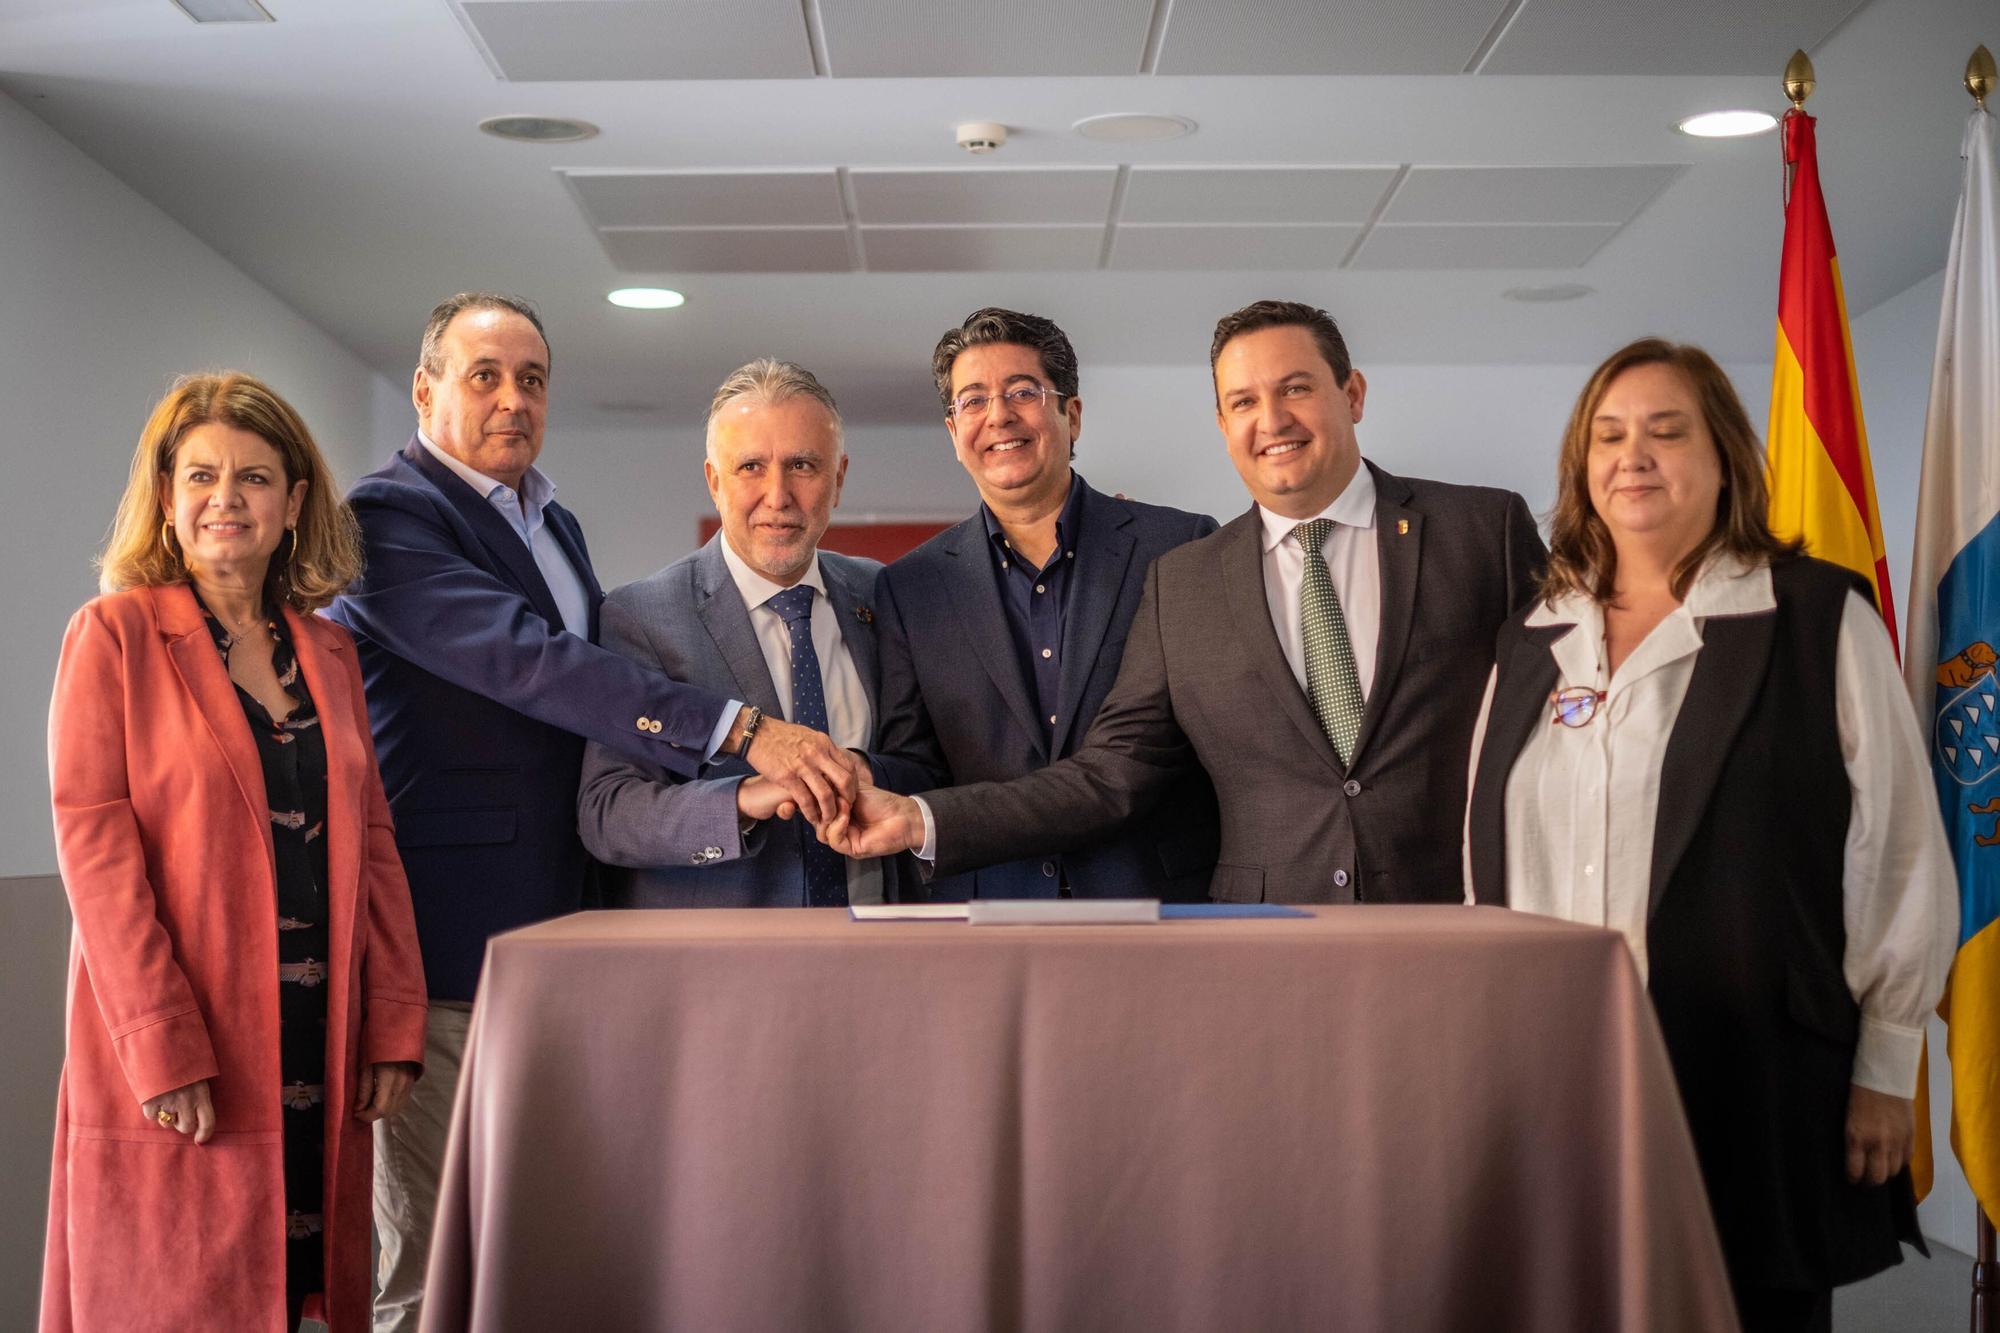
{"points": [[750, 725]]}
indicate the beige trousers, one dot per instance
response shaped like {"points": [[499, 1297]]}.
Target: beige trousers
{"points": [[409, 1157]]}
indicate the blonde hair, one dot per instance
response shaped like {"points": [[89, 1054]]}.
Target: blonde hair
{"points": [[320, 557], [1582, 558]]}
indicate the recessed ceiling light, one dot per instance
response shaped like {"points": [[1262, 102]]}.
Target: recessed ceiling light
{"points": [[538, 129], [1561, 291], [224, 11], [646, 298], [1727, 124], [1134, 127]]}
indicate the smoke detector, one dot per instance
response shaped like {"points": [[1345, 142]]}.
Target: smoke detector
{"points": [[981, 136]]}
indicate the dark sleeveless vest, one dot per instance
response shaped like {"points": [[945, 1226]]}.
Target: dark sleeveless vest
{"points": [[1744, 935]]}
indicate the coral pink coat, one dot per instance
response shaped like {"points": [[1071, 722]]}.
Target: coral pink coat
{"points": [[164, 842]]}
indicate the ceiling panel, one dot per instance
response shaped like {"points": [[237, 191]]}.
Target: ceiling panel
{"points": [[931, 39], [1685, 37], [1253, 194], [986, 195], [1320, 37], [1220, 248], [709, 199], [583, 40], [714, 250], [1431, 247], [980, 249], [1528, 194]]}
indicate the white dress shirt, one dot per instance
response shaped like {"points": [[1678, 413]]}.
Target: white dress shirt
{"points": [[1354, 564], [524, 512], [849, 714], [1581, 804]]}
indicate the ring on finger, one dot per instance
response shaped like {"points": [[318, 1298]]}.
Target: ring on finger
{"points": [[167, 1117]]}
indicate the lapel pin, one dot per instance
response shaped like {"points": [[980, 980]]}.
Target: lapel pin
{"points": [[1402, 527], [864, 615]]}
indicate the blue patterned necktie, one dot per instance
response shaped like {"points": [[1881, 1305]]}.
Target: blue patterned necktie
{"points": [[826, 869]]}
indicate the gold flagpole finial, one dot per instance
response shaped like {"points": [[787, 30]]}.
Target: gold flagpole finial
{"points": [[1799, 80], [1979, 76]]}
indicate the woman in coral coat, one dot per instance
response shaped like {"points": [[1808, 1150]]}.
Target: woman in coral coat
{"points": [[245, 993]]}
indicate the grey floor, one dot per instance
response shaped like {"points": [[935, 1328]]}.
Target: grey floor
{"points": [[1916, 1296]]}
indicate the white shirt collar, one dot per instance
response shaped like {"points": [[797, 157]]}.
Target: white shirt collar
{"points": [[754, 587], [1354, 507], [536, 488], [1726, 586]]}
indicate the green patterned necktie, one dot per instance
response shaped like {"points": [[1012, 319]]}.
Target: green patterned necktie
{"points": [[1332, 683]]}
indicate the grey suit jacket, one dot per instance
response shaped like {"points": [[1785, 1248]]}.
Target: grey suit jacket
{"points": [[672, 841], [1205, 682]]}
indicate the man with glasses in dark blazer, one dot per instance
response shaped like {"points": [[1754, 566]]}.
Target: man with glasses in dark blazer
{"points": [[1001, 637]]}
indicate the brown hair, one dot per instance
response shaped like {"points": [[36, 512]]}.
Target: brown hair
{"points": [[309, 569], [1582, 558], [1259, 315]]}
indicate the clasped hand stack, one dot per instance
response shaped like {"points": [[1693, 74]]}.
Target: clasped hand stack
{"points": [[801, 771]]}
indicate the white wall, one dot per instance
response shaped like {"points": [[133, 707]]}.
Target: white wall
{"points": [[103, 299]]}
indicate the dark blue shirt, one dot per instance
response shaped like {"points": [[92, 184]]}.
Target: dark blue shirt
{"points": [[1036, 602]]}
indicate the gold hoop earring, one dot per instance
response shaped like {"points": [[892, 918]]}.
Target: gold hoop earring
{"points": [[167, 542], [292, 558]]}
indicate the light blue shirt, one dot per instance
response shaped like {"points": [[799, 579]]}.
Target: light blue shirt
{"points": [[525, 512]]}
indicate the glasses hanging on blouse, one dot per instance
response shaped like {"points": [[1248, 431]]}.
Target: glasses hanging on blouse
{"points": [[1575, 706]]}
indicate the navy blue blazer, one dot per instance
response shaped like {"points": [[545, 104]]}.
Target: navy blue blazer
{"points": [[678, 841], [957, 706], [481, 704]]}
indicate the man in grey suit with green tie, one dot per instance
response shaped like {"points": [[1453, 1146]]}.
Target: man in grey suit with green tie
{"points": [[1322, 657]]}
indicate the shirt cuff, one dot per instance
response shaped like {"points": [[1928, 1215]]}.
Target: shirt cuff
{"points": [[1887, 1056], [927, 852], [721, 732]]}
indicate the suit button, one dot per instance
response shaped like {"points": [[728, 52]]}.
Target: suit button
{"points": [[1351, 787], [1049, 869], [1340, 879], [645, 722], [654, 727]]}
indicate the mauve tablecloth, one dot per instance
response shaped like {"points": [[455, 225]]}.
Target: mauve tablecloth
{"points": [[1407, 1118]]}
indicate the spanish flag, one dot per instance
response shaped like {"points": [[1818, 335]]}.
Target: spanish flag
{"points": [[1816, 455]]}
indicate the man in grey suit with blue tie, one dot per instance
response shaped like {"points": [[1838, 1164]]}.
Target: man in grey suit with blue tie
{"points": [[760, 614], [1001, 636]]}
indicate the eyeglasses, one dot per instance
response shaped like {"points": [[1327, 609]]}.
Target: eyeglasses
{"points": [[1019, 398], [1575, 706]]}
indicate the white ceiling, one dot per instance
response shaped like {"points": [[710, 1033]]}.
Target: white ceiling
{"points": [[790, 166]]}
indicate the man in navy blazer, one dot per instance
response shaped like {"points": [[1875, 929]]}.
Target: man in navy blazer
{"points": [[1001, 636], [476, 622], [719, 617]]}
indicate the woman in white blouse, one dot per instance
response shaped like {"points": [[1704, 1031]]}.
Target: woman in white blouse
{"points": [[1699, 738]]}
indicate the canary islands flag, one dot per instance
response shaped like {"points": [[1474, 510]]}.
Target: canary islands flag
{"points": [[1954, 644], [1816, 455]]}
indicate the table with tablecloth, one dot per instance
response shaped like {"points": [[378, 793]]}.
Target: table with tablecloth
{"points": [[1409, 1118]]}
